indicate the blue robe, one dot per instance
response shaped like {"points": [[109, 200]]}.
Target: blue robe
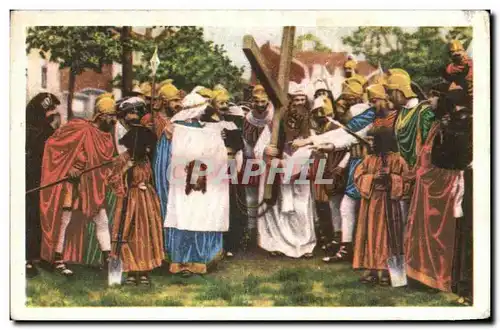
{"points": [[182, 246], [356, 124]]}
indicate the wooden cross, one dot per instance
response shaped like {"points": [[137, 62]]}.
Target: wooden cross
{"points": [[277, 90]]}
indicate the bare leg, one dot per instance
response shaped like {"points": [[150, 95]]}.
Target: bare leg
{"points": [[59, 264], [65, 220], [102, 230]]}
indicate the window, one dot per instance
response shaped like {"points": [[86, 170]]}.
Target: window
{"points": [[44, 76]]}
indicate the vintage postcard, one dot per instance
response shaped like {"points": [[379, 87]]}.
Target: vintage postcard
{"points": [[293, 165]]}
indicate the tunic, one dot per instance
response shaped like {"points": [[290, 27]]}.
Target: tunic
{"points": [[371, 248], [77, 144], [288, 225], [430, 237], [189, 246], [142, 227], [412, 127]]}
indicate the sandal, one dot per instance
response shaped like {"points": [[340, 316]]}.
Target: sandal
{"points": [[131, 279], [369, 277], [144, 280], [385, 279], [186, 273], [31, 270], [60, 267]]}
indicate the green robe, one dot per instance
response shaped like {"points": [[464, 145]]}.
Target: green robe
{"points": [[411, 130], [92, 254]]}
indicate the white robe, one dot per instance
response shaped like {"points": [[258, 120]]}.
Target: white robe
{"points": [[288, 226], [199, 211]]}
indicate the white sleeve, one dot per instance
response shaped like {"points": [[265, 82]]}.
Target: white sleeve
{"points": [[339, 137], [343, 163]]}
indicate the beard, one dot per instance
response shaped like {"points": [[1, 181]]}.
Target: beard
{"points": [[133, 121], [106, 126], [261, 108], [457, 59]]}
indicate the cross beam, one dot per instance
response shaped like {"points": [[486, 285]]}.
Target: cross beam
{"points": [[273, 89], [277, 91]]}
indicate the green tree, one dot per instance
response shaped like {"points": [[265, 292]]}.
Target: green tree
{"points": [[319, 46], [423, 52], [190, 60], [75, 47]]}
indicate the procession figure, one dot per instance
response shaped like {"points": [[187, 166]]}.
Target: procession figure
{"points": [[194, 239], [256, 120], [287, 227], [168, 104], [459, 72], [358, 117], [297, 95], [413, 122], [66, 208], [327, 197], [138, 224], [129, 112], [437, 221], [379, 179], [42, 119], [218, 113]]}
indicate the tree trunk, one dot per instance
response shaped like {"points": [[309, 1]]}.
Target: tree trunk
{"points": [[127, 69], [71, 91]]}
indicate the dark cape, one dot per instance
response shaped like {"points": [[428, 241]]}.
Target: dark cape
{"points": [[38, 130], [37, 133]]}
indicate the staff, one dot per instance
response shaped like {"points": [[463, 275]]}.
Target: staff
{"points": [[356, 135], [68, 177]]}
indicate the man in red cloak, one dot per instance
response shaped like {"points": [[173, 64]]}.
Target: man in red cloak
{"points": [[459, 71], [67, 207]]}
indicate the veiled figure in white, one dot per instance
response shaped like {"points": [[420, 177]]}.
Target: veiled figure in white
{"points": [[288, 226]]}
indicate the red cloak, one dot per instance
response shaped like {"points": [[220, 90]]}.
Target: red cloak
{"points": [[78, 143], [430, 236]]}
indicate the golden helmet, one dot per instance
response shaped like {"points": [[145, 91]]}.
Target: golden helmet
{"points": [[352, 87], [169, 92], [325, 103], [401, 72], [104, 105], [220, 95], [205, 92], [401, 83], [146, 89], [350, 64], [362, 80], [376, 91], [455, 46], [259, 93]]}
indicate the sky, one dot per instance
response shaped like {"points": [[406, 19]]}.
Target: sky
{"points": [[232, 39]]}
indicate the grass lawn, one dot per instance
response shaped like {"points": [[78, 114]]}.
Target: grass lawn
{"points": [[250, 280]]}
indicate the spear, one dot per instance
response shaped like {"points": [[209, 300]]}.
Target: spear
{"points": [[155, 62]]}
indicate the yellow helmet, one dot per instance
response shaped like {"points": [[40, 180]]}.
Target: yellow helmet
{"points": [[350, 64], [220, 95], [169, 92], [146, 89], [259, 93], [352, 87], [205, 92], [359, 78], [105, 105], [325, 103], [376, 91], [402, 83], [401, 72], [455, 46], [220, 87]]}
